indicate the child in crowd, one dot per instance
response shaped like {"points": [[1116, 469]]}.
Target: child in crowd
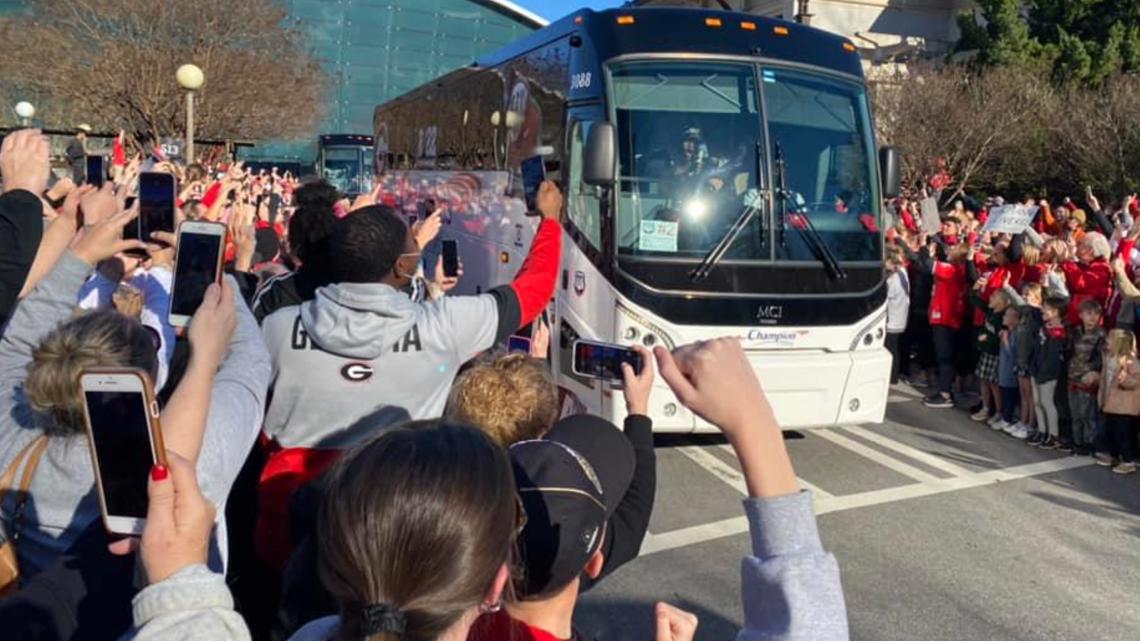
{"points": [[1029, 311], [1007, 370], [1120, 401], [1086, 345], [989, 351], [898, 305], [1048, 364]]}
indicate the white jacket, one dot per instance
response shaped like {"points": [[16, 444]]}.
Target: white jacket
{"points": [[898, 301]]}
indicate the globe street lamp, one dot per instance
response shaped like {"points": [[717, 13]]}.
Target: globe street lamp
{"points": [[191, 78], [24, 111]]}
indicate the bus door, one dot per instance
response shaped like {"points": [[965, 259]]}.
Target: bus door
{"points": [[584, 299]]}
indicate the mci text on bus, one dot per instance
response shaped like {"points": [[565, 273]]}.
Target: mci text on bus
{"points": [[721, 178]]}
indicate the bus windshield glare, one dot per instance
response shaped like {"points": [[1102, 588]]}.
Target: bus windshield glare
{"points": [[690, 141], [342, 168]]}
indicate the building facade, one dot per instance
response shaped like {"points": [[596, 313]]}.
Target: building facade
{"points": [[886, 31], [375, 50]]}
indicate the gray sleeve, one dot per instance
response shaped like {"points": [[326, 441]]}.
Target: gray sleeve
{"points": [[790, 585], [1018, 301], [194, 604], [1057, 285], [50, 304], [1034, 238], [471, 323], [237, 404]]}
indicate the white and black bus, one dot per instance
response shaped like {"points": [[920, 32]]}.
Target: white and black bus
{"points": [[721, 178]]}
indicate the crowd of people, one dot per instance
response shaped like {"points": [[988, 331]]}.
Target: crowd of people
{"points": [[1040, 324], [350, 454]]}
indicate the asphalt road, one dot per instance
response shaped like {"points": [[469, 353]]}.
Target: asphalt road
{"points": [[943, 529]]}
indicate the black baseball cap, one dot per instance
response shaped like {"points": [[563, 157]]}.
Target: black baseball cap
{"points": [[570, 483]]}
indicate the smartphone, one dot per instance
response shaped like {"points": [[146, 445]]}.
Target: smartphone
{"points": [[450, 258], [603, 360], [96, 172], [125, 438], [518, 344], [197, 264], [533, 173], [157, 193]]}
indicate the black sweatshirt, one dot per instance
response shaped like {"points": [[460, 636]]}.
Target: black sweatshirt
{"points": [[627, 527], [21, 229]]}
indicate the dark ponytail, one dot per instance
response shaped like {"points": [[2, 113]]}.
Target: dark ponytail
{"points": [[413, 530]]}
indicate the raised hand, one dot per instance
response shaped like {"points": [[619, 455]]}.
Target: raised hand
{"points": [[25, 161]]}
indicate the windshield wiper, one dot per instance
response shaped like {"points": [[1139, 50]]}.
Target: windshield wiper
{"points": [[803, 224], [752, 201]]}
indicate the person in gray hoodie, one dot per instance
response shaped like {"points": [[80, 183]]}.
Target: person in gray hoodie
{"points": [[790, 587], [42, 352], [362, 348]]}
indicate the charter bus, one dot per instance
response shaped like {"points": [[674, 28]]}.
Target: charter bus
{"points": [[721, 178], [345, 160]]}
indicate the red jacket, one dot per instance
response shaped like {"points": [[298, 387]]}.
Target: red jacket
{"points": [[948, 298], [1084, 282], [1018, 273]]}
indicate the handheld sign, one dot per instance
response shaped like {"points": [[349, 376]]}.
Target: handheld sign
{"points": [[931, 220], [1010, 219]]}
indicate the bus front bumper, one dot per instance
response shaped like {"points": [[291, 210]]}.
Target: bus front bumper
{"points": [[806, 389]]}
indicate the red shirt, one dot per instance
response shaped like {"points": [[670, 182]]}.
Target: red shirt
{"points": [[500, 626], [1084, 282], [1018, 273], [948, 299]]}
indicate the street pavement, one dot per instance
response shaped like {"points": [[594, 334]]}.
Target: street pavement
{"points": [[943, 530]]}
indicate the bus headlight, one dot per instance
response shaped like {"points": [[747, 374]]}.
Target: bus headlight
{"points": [[631, 326], [870, 334], [631, 333]]}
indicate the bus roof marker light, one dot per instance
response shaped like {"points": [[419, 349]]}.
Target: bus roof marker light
{"points": [[748, 26], [577, 19], [780, 31], [625, 19], [847, 46], [712, 22]]}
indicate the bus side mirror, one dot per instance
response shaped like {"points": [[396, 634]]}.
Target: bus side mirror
{"points": [[890, 169], [600, 156]]}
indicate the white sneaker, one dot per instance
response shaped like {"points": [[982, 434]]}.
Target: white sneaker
{"points": [[1021, 433], [980, 415], [999, 425], [1010, 428]]}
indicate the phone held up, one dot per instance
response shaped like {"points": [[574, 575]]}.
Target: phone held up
{"points": [[533, 173], [450, 253], [157, 195], [603, 360], [125, 437], [517, 343], [96, 171], [197, 264]]}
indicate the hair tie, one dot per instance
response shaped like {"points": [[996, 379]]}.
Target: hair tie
{"points": [[382, 617]]}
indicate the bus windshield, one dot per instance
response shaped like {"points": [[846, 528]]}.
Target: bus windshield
{"points": [[689, 137], [342, 168]]}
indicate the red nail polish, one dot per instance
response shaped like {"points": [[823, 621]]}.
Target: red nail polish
{"points": [[159, 473]]}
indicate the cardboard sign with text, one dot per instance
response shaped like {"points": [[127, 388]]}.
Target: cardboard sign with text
{"points": [[931, 219], [1010, 219]]}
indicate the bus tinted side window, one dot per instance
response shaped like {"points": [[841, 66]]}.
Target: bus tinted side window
{"points": [[583, 205]]}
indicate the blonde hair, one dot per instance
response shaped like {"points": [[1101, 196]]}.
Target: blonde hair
{"points": [[1120, 342], [94, 339], [1033, 289], [1030, 255], [1095, 242], [511, 397]]}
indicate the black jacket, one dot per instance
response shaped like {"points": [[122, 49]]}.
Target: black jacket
{"points": [[1049, 354], [21, 229]]}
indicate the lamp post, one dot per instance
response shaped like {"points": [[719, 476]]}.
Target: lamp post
{"points": [[190, 78], [24, 111]]}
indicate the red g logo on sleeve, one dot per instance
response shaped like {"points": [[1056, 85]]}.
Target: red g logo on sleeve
{"points": [[356, 372]]}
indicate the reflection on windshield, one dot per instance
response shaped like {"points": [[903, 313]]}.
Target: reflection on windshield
{"points": [[820, 128], [343, 168], [688, 135]]}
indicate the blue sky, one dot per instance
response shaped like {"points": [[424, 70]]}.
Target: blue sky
{"points": [[555, 9]]}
